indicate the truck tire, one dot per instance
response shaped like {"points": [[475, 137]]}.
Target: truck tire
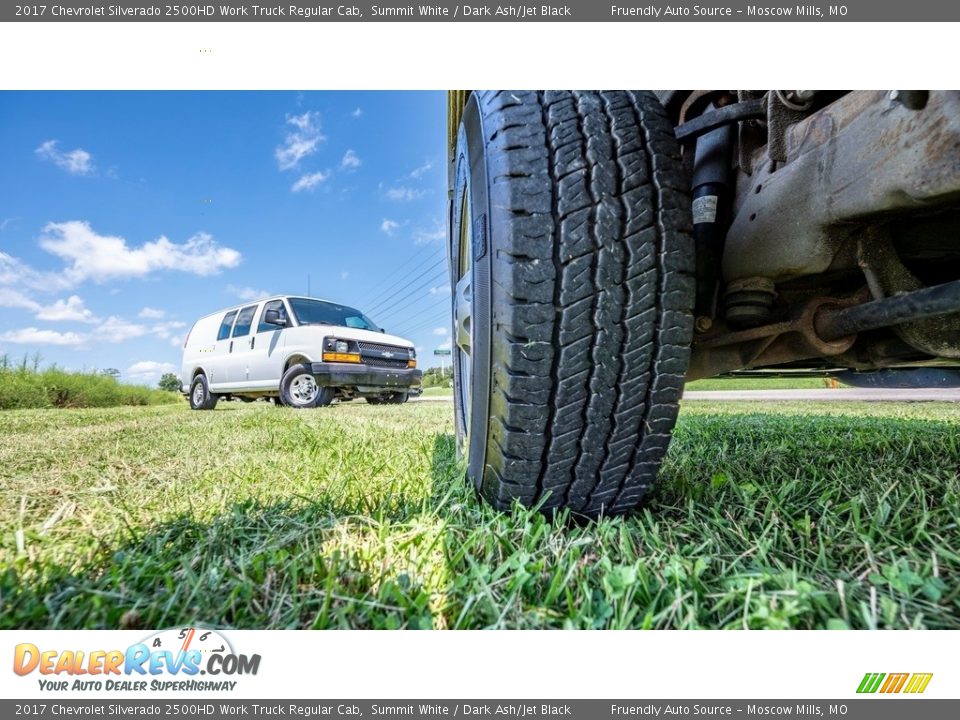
{"points": [[572, 274], [200, 396], [299, 389]]}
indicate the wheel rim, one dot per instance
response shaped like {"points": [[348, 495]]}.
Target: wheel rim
{"points": [[304, 389], [463, 318], [198, 393]]}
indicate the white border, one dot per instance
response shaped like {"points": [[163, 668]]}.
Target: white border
{"points": [[125, 55], [436, 56], [545, 664]]}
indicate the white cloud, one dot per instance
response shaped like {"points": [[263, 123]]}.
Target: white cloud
{"points": [[75, 162], [424, 237], [14, 272], [445, 346], [309, 181], [357, 113], [164, 330], [351, 161], [149, 313], [116, 330], [405, 194], [4, 223], [103, 257], [388, 226], [416, 173], [305, 122], [440, 290], [34, 336], [112, 330], [148, 371], [176, 341], [440, 331], [247, 293], [13, 299], [70, 310], [301, 142], [344, 275]]}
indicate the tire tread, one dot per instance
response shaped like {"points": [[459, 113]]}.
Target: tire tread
{"points": [[591, 296]]}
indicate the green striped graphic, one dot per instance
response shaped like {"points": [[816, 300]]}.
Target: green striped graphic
{"points": [[871, 682]]}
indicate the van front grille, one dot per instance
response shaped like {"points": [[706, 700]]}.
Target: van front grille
{"points": [[381, 348], [385, 363]]}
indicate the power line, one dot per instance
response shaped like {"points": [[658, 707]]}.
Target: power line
{"points": [[400, 305], [389, 300], [422, 328], [422, 324], [402, 274], [419, 323], [412, 260], [432, 315]]}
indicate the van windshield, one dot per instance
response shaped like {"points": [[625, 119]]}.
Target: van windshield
{"points": [[317, 312]]}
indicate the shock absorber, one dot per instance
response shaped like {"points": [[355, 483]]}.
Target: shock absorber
{"points": [[711, 208]]}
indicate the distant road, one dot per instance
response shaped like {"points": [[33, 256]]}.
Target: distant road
{"points": [[828, 395], [824, 395]]}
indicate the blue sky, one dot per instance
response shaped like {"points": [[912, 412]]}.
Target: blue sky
{"points": [[125, 216]]}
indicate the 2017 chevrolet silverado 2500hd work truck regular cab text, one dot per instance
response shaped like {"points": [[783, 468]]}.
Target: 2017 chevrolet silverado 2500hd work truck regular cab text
{"points": [[607, 246], [302, 351]]}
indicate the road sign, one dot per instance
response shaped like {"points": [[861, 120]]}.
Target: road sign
{"points": [[438, 351]]}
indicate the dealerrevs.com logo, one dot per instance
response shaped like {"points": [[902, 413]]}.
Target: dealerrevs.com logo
{"points": [[169, 660], [888, 683]]}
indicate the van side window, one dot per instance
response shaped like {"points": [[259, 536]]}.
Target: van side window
{"points": [[225, 325], [244, 320], [272, 305]]}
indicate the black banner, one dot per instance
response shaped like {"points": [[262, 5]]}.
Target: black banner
{"points": [[878, 708], [447, 11]]}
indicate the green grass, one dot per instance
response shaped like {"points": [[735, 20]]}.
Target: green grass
{"points": [[759, 383], [22, 387], [438, 391], [787, 516]]}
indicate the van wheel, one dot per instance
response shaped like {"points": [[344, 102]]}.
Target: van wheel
{"points": [[200, 396], [571, 269], [299, 389]]}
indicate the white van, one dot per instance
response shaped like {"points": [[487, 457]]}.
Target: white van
{"points": [[301, 351]]}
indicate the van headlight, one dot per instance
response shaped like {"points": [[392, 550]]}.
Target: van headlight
{"points": [[337, 350]]}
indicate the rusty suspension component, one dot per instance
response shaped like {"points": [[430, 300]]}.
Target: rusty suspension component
{"points": [[822, 327], [917, 305]]}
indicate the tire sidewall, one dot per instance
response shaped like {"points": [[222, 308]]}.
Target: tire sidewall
{"points": [[202, 381], [582, 206], [471, 187], [323, 396]]}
